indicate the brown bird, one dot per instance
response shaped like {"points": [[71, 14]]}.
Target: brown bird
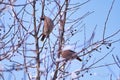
{"points": [[47, 28], [69, 54]]}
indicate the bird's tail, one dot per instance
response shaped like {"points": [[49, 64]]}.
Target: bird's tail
{"points": [[43, 37], [78, 58]]}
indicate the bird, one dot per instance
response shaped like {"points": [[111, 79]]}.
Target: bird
{"points": [[47, 28], [69, 54]]}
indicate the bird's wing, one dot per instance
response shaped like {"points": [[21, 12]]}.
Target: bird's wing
{"points": [[72, 51]]}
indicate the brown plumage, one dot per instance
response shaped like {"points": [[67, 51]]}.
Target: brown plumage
{"points": [[47, 28], [69, 54]]}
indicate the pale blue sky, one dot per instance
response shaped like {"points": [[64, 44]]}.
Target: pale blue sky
{"points": [[100, 8]]}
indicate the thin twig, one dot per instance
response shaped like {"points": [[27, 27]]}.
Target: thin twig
{"points": [[105, 25]]}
